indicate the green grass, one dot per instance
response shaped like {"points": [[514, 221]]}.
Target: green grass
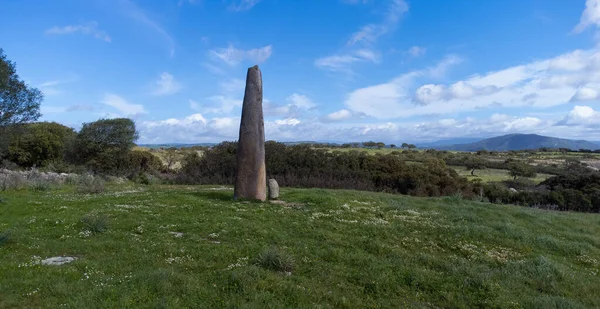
{"points": [[495, 175], [324, 249]]}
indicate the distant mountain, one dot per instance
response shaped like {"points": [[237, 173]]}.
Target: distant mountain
{"points": [[520, 142], [449, 142], [177, 145]]}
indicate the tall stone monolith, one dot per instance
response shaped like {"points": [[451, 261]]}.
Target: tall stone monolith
{"points": [[251, 174]]}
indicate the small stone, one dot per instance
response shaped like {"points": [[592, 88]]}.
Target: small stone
{"points": [[58, 260], [177, 234], [513, 190], [273, 189]]}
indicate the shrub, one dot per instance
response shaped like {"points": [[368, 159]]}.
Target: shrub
{"points": [[275, 259], [104, 145], [39, 185], [304, 166], [142, 162], [40, 143], [89, 184], [95, 223], [12, 181]]}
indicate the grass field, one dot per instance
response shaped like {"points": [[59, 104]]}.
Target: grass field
{"points": [[496, 175], [180, 246]]}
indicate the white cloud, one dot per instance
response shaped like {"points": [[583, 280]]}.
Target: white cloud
{"points": [[124, 107], [233, 56], [588, 93], [298, 105], [243, 5], [574, 76], [582, 116], [417, 51], [301, 101], [590, 16], [89, 28], [343, 62], [225, 104], [371, 32], [339, 115], [582, 122], [287, 121], [166, 85], [394, 99]]}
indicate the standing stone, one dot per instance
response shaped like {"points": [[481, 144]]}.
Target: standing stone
{"points": [[251, 174], [273, 189]]}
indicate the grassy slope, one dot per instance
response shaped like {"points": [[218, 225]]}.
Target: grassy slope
{"points": [[352, 249]]}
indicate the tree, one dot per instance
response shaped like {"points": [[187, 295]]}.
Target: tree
{"points": [[380, 145], [411, 146], [520, 169], [392, 145], [404, 145], [103, 145], [40, 143], [474, 163], [19, 103], [370, 144]]}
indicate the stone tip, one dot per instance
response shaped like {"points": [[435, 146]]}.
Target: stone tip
{"points": [[255, 67]]}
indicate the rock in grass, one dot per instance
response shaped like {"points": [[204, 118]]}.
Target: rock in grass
{"points": [[273, 189], [251, 174], [58, 260]]}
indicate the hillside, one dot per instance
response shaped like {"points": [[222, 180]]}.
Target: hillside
{"points": [[187, 246], [521, 142]]}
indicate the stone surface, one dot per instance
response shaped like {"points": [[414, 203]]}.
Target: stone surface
{"points": [[58, 260], [251, 177], [176, 234], [513, 190], [273, 189]]}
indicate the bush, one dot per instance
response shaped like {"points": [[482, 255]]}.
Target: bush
{"points": [[12, 181], [95, 223], [140, 162], [104, 145], [40, 143], [275, 259], [304, 166], [39, 185], [89, 184]]}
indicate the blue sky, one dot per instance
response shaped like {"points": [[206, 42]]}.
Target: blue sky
{"points": [[341, 70]]}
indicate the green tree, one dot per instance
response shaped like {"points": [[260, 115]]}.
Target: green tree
{"points": [[404, 145], [411, 146], [370, 144], [520, 169], [380, 145], [392, 145], [19, 103], [474, 163], [104, 145], [40, 143]]}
